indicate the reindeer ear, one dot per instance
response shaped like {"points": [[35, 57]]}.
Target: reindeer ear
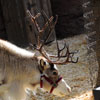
{"points": [[44, 64]]}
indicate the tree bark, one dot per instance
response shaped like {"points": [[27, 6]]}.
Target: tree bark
{"points": [[14, 18]]}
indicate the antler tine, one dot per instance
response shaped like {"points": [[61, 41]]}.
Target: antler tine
{"points": [[38, 28], [45, 26], [68, 55], [34, 20], [36, 25], [59, 51], [50, 24], [48, 20], [72, 58]]}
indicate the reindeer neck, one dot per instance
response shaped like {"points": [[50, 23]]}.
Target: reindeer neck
{"points": [[15, 50]]}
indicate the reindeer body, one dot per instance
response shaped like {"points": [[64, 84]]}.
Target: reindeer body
{"points": [[16, 63], [18, 68]]}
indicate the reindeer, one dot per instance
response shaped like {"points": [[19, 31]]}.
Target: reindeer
{"points": [[21, 69]]}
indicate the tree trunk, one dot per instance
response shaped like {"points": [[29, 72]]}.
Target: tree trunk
{"points": [[14, 18], [19, 28]]}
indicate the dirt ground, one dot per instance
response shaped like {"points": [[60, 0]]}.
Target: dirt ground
{"points": [[80, 76]]}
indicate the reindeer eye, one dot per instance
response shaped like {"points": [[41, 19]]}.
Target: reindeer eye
{"points": [[44, 63]]}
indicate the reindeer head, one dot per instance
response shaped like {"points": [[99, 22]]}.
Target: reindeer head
{"points": [[50, 78]]}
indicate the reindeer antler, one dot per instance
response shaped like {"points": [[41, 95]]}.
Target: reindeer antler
{"points": [[68, 56]]}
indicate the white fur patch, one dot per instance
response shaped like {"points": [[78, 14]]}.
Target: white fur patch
{"points": [[55, 67], [13, 49]]}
